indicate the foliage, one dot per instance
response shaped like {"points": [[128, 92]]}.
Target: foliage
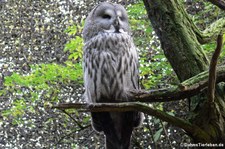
{"points": [[203, 13], [45, 77], [210, 48], [154, 67], [75, 45], [30, 94]]}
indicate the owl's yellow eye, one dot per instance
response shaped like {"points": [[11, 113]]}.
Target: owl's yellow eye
{"points": [[106, 16]]}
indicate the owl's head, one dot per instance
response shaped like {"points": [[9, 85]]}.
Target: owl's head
{"points": [[106, 18]]}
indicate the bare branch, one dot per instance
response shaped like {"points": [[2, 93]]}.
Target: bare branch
{"points": [[132, 106], [212, 69], [76, 122], [218, 3], [166, 134]]}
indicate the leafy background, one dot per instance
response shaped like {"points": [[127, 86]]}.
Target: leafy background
{"points": [[41, 65]]}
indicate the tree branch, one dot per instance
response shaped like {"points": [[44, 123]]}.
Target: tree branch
{"points": [[76, 122], [134, 106], [212, 69], [186, 89], [210, 33], [218, 3]]}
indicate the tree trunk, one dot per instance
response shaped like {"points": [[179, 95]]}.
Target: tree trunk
{"points": [[186, 56]]}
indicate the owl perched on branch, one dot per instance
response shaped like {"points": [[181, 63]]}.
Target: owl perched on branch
{"points": [[110, 64]]}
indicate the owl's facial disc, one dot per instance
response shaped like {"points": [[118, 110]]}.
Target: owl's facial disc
{"points": [[112, 20], [109, 18]]}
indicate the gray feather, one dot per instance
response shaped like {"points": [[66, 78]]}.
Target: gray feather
{"points": [[110, 64]]}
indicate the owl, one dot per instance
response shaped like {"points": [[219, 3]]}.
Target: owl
{"points": [[110, 65]]}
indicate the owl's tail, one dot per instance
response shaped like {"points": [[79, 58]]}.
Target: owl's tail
{"points": [[117, 127]]}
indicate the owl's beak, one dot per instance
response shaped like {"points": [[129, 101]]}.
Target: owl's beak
{"points": [[116, 24]]}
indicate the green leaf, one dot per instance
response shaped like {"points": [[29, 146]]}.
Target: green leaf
{"points": [[157, 135], [71, 30], [86, 119]]}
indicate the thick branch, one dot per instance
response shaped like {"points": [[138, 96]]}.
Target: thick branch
{"points": [[218, 3], [210, 33], [212, 69], [129, 106], [186, 89]]}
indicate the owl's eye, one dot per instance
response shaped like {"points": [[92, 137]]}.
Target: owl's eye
{"points": [[106, 16]]}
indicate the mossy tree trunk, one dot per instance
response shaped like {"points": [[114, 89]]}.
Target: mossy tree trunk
{"points": [[180, 39]]}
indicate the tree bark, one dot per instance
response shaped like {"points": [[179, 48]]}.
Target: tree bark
{"points": [[180, 43]]}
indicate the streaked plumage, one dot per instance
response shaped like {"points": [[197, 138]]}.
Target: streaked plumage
{"points": [[110, 64]]}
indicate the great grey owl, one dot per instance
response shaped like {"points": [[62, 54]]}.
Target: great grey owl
{"points": [[110, 64]]}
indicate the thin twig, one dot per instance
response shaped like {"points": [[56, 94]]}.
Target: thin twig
{"points": [[212, 69], [151, 133], [165, 132], [72, 132], [79, 125], [69, 134]]}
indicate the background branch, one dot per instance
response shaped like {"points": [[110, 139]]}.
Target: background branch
{"points": [[211, 32], [219, 3], [76, 122]]}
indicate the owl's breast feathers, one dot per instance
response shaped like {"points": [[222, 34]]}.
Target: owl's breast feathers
{"points": [[110, 67]]}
